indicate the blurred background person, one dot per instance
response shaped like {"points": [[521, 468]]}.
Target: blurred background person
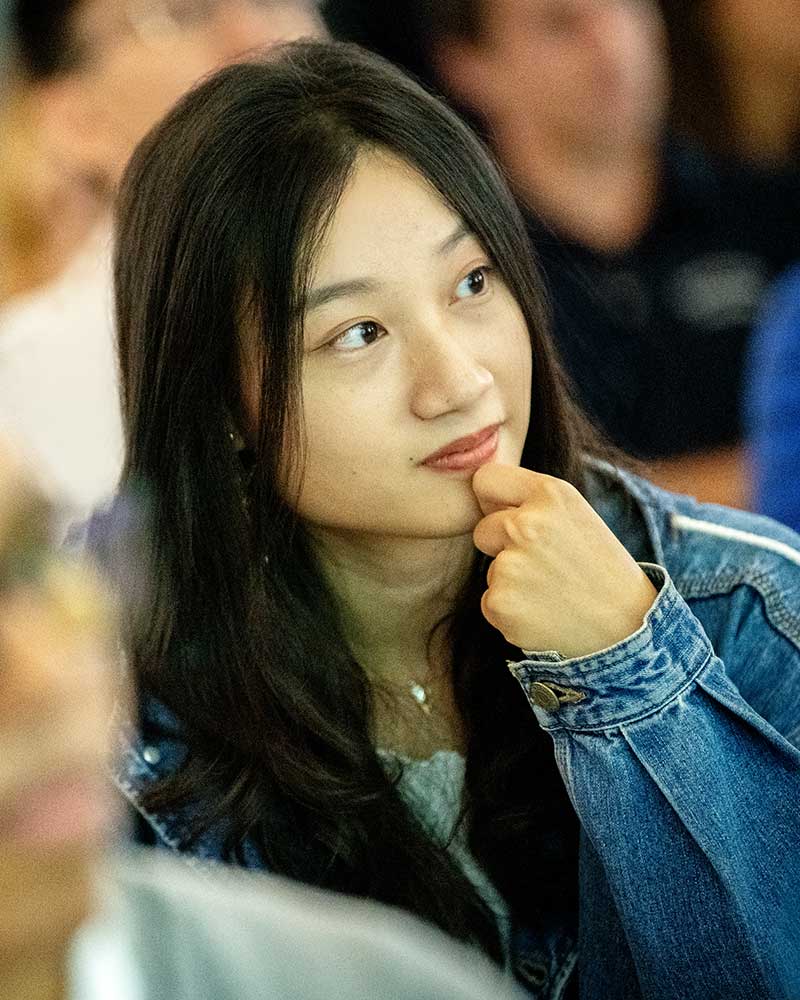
{"points": [[736, 67], [46, 211], [656, 255], [736, 91], [56, 807], [99, 73]]}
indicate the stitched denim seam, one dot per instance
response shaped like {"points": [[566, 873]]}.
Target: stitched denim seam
{"points": [[561, 977], [129, 790], [778, 613]]}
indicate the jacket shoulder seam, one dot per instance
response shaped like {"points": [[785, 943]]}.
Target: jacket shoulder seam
{"points": [[781, 616], [698, 526]]}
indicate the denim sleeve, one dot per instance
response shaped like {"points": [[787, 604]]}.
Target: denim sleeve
{"points": [[690, 806]]}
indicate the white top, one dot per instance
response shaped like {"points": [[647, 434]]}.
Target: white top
{"points": [[59, 400], [104, 963], [433, 790], [101, 962], [172, 932]]}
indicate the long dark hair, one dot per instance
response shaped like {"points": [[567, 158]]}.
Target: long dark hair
{"points": [[219, 216]]}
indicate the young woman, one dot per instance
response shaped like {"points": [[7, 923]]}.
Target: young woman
{"points": [[380, 596]]}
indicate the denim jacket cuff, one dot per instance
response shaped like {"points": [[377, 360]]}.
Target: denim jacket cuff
{"points": [[630, 679]]}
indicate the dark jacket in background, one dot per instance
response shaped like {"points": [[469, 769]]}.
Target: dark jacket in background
{"points": [[655, 339]]}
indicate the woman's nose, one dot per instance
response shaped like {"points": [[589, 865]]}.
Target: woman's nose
{"points": [[446, 377]]}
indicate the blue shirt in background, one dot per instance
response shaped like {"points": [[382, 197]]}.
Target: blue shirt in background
{"points": [[773, 403]]}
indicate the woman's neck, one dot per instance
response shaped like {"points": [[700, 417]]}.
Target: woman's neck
{"points": [[393, 593]]}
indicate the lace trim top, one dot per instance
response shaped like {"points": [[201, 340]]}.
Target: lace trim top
{"points": [[433, 790]]}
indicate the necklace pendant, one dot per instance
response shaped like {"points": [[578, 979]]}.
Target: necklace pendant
{"points": [[420, 696]]}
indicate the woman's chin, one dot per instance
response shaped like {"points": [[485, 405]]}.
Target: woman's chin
{"points": [[455, 515]]}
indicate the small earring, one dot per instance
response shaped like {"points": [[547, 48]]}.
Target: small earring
{"points": [[236, 439]]}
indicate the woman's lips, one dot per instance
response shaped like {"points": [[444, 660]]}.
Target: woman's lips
{"points": [[467, 453]]}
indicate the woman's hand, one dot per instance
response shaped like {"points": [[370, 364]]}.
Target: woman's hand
{"points": [[560, 579]]}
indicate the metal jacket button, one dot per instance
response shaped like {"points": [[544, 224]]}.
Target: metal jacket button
{"points": [[533, 972], [544, 696], [551, 697]]}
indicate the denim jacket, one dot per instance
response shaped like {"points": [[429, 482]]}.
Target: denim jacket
{"points": [[679, 749]]}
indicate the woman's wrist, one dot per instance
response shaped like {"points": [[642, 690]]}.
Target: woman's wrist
{"points": [[636, 676]]}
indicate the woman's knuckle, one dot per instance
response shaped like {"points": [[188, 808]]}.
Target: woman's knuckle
{"points": [[528, 524], [493, 601]]}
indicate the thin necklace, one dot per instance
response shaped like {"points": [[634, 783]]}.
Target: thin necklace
{"points": [[420, 696]]}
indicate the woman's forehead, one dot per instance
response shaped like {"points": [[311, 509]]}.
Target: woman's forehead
{"points": [[387, 208]]}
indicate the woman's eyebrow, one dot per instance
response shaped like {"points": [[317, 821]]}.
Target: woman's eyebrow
{"points": [[338, 290], [361, 286], [461, 232]]}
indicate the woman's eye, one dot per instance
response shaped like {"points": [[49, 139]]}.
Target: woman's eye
{"points": [[358, 336], [473, 284]]}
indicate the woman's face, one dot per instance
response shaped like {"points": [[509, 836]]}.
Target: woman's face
{"points": [[412, 341]]}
